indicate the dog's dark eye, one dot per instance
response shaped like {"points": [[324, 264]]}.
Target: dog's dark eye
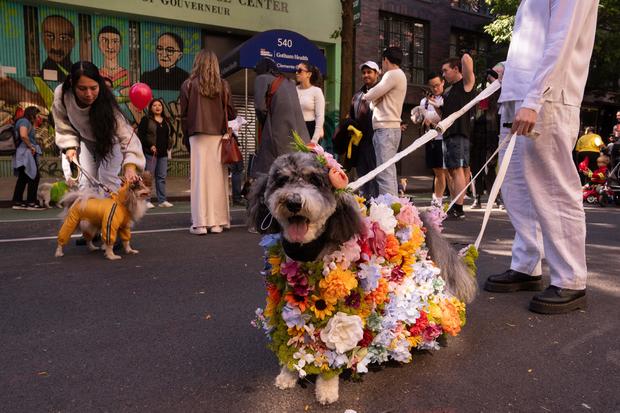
{"points": [[280, 180], [315, 180]]}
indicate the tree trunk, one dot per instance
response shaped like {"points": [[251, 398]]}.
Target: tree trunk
{"points": [[346, 83]]}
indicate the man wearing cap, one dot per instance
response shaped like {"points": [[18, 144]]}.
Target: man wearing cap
{"points": [[387, 98], [361, 114]]}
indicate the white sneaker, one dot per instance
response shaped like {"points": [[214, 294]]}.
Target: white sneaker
{"points": [[198, 230], [149, 205], [165, 204], [216, 229]]}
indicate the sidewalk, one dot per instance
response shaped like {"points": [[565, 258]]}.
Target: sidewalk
{"points": [[177, 187]]}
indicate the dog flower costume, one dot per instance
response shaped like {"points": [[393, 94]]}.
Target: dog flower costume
{"points": [[377, 297]]}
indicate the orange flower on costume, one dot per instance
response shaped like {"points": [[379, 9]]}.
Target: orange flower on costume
{"points": [[297, 300], [273, 298], [338, 178], [380, 294], [338, 284], [391, 246], [450, 320]]}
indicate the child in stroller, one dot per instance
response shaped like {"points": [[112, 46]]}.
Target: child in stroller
{"points": [[597, 189]]}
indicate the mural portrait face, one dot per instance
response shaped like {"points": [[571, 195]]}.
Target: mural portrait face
{"points": [[109, 43], [58, 37], [169, 50]]}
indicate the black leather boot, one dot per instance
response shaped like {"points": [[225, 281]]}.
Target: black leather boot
{"points": [[556, 300], [511, 281]]}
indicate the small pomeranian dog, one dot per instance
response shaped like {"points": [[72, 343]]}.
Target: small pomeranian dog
{"points": [[112, 216]]}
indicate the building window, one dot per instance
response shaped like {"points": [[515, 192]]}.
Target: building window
{"points": [[474, 6], [477, 44], [410, 36]]}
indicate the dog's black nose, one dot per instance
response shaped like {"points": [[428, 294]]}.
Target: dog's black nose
{"points": [[293, 203]]}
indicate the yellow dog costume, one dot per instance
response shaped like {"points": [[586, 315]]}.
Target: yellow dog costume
{"points": [[113, 216]]}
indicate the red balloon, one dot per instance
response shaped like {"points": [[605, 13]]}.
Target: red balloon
{"points": [[140, 95]]}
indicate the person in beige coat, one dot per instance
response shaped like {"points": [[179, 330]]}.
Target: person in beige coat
{"points": [[205, 97]]}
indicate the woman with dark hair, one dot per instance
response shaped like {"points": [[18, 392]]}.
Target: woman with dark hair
{"points": [[155, 134], [311, 99], [205, 105], [278, 111], [91, 128], [25, 161]]}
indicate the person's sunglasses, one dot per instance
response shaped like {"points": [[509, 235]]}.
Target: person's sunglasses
{"points": [[300, 70]]}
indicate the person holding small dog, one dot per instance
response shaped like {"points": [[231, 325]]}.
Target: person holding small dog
{"points": [[155, 133], [205, 105], [91, 129], [26, 161], [387, 99]]}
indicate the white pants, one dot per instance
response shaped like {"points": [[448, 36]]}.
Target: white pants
{"points": [[104, 170], [542, 194], [209, 182]]}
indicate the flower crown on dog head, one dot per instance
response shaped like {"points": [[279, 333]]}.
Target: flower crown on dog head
{"points": [[337, 177]]}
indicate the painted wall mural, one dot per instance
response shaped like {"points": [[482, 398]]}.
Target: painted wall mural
{"points": [[40, 43]]}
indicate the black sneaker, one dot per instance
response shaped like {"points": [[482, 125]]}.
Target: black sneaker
{"points": [[453, 214], [19, 205], [476, 204]]}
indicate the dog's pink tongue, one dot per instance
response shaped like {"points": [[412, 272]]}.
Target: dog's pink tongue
{"points": [[297, 231]]}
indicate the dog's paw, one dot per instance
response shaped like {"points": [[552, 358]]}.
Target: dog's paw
{"points": [[92, 247], [131, 251], [326, 390], [286, 379], [59, 252], [113, 257]]}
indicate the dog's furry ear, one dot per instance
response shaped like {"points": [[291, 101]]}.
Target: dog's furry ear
{"points": [[346, 221], [258, 213], [458, 278]]}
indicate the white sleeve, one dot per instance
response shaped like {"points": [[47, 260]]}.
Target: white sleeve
{"points": [[561, 38], [65, 135], [384, 86], [319, 114], [131, 148]]}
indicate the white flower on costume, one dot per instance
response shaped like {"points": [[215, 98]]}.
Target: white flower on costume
{"points": [[384, 216], [342, 332]]}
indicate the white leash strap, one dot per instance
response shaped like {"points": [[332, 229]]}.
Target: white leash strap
{"points": [[501, 174], [473, 180], [427, 137]]}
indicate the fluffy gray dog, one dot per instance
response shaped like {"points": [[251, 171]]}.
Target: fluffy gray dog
{"points": [[297, 199]]}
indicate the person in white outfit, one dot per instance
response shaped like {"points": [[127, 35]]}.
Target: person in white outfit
{"points": [[311, 99], [387, 98], [542, 89], [91, 129]]}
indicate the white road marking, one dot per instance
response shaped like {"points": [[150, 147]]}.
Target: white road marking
{"points": [[146, 231]]}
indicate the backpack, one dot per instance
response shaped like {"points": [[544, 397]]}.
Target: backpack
{"points": [[8, 140]]}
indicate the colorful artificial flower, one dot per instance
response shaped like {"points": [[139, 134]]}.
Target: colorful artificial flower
{"points": [[321, 307], [338, 284], [342, 332]]}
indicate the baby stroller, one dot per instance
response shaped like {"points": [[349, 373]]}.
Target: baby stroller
{"points": [[613, 180]]}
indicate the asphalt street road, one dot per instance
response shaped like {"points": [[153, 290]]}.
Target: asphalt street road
{"points": [[168, 330]]}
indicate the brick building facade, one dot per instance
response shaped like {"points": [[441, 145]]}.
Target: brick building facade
{"points": [[428, 31]]}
